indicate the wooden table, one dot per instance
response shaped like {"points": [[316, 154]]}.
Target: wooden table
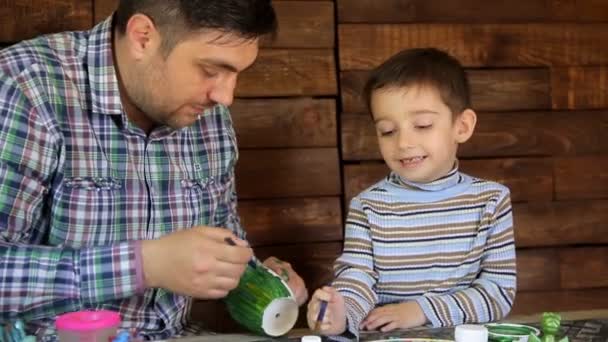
{"points": [[580, 326]]}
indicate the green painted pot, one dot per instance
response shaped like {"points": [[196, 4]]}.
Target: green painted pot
{"points": [[262, 302], [510, 332]]}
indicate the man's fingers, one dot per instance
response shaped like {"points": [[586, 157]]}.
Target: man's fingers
{"points": [[229, 270], [224, 284], [214, 294], [233, 254], [217, 234]]}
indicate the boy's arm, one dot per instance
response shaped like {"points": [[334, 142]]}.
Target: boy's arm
{"points": [[39, 281], [354, 269], [491, 295]]}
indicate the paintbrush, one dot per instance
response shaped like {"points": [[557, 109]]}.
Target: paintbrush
{"points": [[321, 315], [231, 242]]}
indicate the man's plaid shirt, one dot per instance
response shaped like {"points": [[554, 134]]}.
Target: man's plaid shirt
{"points": [[80, 186]]}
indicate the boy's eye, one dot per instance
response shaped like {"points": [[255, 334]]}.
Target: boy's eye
{"points": [[423, 126], [385, 133]]}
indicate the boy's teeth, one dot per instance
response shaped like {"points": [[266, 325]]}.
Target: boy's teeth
{"points": [[413, 159]]}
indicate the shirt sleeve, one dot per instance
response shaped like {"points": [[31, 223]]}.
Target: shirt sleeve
{"points": [[490, 296], [41, 281], [354, 269]]}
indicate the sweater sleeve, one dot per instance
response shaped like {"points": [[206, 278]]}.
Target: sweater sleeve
{"points": [[354, 269]]}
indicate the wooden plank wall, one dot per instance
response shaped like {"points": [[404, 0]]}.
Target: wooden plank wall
{"points": [[539, 74]]}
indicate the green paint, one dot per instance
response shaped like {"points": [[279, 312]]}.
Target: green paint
{"points": [[256, 290]]}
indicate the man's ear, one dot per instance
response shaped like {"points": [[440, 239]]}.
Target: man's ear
{"points": [[142, 36], [465, 125]]}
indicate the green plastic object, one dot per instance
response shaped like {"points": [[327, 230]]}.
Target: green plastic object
{"points": [[509, 332], [550, 325], [262, 302]]}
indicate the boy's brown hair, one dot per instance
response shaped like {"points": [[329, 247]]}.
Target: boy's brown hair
{"points": [[422, 67]]}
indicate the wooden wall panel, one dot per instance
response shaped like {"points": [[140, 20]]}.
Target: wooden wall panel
{"points": [[579, 87], [27, 19], [566, 268], [401, 11], [285, 221], [363, 46], [538, 134], [294, 122], [582, 177], [528, 179], [302, 24], [104, 8], [501, 134], [585, 267], [528, 302], [537, 269], [288, 173], [491, 90], [278, 72], [561, 223]]}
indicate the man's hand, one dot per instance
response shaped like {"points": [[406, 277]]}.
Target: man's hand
{"points": [[293, 280], [196, 262], [334, 320], [394, 316]]}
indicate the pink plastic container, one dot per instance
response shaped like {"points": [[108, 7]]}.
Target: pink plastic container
{"points": [[87, 326]]}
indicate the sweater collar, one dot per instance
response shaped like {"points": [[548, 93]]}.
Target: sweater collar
{"points": [[452, 179]]}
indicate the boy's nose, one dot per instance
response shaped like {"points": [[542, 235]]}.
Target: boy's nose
{"points": [[405, 141]]}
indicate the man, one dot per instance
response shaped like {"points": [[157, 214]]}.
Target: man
{"points": [[117, 157]]}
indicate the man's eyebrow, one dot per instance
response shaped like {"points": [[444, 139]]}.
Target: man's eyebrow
{"points": [[220, 64]]}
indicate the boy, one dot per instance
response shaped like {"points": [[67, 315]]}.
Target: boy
{"points": [[427, 244]]}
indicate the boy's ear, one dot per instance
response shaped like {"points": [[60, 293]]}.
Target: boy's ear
{"points": [[465, 125]]}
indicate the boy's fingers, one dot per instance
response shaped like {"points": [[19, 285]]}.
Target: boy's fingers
{"points": [[389, 327], [327, 317], [321, 294], [377, 322]]}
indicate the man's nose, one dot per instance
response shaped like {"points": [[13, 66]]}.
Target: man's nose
{"points": [[223, 91]]}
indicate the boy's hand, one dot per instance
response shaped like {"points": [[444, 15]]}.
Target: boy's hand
{"points": [[334, 320], [395, 316]]}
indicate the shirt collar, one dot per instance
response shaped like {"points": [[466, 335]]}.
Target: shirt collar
{"points": [[105, 95], [453, 178]]}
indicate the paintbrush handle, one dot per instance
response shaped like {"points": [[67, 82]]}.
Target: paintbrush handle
{"points": [[321, 315], [231, 242]]}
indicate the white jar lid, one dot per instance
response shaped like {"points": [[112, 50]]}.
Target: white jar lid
{"points": [[311, 338], [471, 333]]}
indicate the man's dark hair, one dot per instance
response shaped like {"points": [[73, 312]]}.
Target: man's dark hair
{"points": [[423, 67], [175, 19]]}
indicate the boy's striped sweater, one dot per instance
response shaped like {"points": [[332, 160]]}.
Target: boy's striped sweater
{"points": [[447, 245]]}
